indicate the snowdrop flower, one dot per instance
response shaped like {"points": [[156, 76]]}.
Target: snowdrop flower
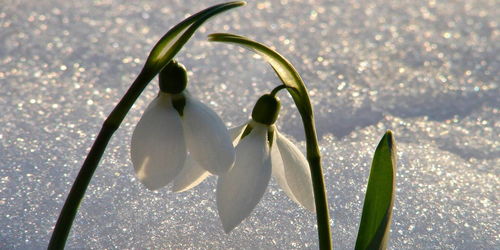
{"points": [[174, 126], [260, 151]]}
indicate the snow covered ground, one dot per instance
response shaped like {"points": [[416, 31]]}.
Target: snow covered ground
{"points": [[428, 70]]}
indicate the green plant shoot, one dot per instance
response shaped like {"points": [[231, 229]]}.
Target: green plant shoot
{"points": [[380, 194]]}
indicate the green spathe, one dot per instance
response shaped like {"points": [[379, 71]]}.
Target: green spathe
{"points": [[173, 78], [266, 109], [166, 48]]}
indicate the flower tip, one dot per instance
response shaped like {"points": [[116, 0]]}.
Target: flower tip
{"points": [[225, 165], [228, 227], [311, 208], [178, 189], [151, 186], [151, 182], [227, 230], [181, 186]]}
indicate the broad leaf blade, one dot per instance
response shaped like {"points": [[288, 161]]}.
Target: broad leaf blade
{"points": [[380, 193], [283, 68], [175, 38]]}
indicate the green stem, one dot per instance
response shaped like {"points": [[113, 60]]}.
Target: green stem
{"points": [[314, 159], [75, 196], [277, 89], [320, 199]]}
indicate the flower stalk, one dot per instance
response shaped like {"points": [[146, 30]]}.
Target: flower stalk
{"points": [[296, 87]]}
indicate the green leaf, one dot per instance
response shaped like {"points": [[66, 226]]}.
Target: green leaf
{"points": [[283, 68], [175, 38], [380, 194]]}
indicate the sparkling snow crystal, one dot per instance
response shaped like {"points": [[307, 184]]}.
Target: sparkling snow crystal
{"points": [[428, 70]]}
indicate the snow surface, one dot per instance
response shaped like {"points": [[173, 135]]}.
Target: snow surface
{"points": [[428, 70]]}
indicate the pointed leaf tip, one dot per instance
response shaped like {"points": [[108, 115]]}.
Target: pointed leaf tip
{"points": [[390, 139], [380, 194]]}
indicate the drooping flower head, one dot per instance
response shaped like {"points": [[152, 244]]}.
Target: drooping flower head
{"points": [[177, 130], [260, 151]]}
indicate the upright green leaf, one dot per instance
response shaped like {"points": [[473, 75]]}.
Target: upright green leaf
{"points": [[380, 193]]}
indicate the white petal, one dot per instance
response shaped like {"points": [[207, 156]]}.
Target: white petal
{"points": [[158, 150], [236, 133], [297, 173], [190, 176], [207, 137], [279, 170], [240, 189]]}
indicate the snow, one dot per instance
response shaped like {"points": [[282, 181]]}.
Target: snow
{"points": [[428, 70]]}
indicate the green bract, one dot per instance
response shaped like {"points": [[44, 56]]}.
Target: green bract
{"points": [[173, 78], [266, 110], [283, 68], [175, 38]]}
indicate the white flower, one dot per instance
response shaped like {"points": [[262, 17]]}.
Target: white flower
{"points": [[172, 126], [262, 152]]}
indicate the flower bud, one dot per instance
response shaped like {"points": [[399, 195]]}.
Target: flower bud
{"points": [[173, 78], [266, 109]]}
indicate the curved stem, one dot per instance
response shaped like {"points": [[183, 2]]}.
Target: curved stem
{"points": [[314, 159], [161, 54], [297, 89], [318, 181], [277, 89], [75, 196]]}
